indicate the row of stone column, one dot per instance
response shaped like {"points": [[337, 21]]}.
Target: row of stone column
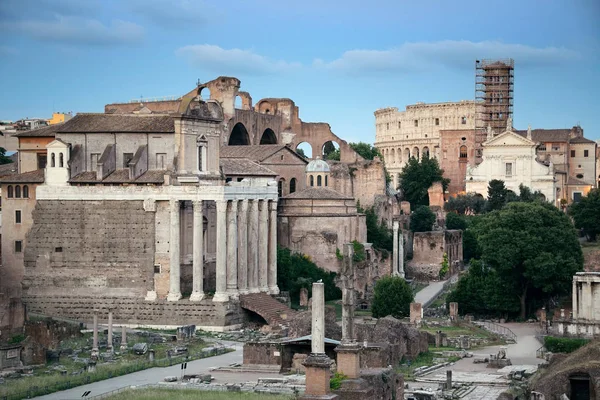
{"points": [[246, 253], [583, 300]]}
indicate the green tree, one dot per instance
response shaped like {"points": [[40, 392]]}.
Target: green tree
{"points": [[296, 271], [301, 152], [466, 204], [526, 195], [455, 221], [334, 155], [586, 214], [469, 242], [422, 219], [533, 249], [418, 176], [3, 158], [497, 193], [365, 150], [330, 152], [377, 231], [391, 296]]}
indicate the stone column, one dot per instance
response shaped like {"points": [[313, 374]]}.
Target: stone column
{"points": [[243, 248], [95, 336], [232, 245], [263, 246], [574, 301], [221, 267], [401, 253], [198, 258], [109, 342], [588, 305], [174, 272], [253, 247], [317, 363], [416, 313], [396, 226], [318, 318], [272, 274], [123, 338], [348, 352]]}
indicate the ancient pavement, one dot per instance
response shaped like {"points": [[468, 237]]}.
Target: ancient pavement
{"points": [[154, 375], [426, 295]]}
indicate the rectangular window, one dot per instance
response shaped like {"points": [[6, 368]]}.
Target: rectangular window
{"points": [[94, 157], [126, 158], [586, 153], [18, 246], [437, 121], [17, 216], [416, 122], [542, 147], [577, 197], [509, 170], [572, 152], [157, 268], [160, 160], [41, 161]]}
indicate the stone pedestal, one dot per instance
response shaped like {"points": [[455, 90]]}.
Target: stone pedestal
{"points": [[416, 313], [453, 311], [318, 374], [348, 359], [304, 297]]}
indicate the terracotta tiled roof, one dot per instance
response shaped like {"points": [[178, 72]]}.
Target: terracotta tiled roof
{"points": [[244, 167], [580, 139], [9, 169], [547, 135], [26, 177], [316, 192], [578, 182], [46, 131], [256, 153], [106, 123]]}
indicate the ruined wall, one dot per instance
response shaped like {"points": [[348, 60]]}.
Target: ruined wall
{"points": [[428, 253], [455, 166], [204, 314], [12, 316], [366, 273], [288, 166], [368, 181], [262, 353], [83, 248]]}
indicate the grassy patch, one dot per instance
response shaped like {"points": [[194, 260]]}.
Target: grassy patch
{"points": [[48, 379], [407, 368], [190, 394]]}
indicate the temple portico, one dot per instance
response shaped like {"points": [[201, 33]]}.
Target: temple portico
{"points": [[246, 257]]}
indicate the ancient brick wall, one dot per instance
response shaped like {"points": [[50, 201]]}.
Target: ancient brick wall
{"points": [[368, 180], [262, 353], [83, 248], [137, 311], [455, 166]]}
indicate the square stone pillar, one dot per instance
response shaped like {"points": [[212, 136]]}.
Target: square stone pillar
{"points": [[243, 248], [221, 264], [95, 350], [109, 342], [416, 313], [253, 247], [174, 267], [232, 245], [198, 255], [395, 269], [123, 338], [272, 268], [317, 364], [263, 246], [453, 311], [401, 254]]}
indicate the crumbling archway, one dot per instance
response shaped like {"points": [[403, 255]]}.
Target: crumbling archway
{"points": [[268, 137], [304, 149], [239, 136], [331, 150]]}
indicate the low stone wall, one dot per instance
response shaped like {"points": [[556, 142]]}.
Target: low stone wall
{"points": [[262, 353], [385, 382], [586, 329], [205, 315]]}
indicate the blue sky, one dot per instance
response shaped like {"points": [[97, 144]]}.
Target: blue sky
{"points": [[338, 60]]}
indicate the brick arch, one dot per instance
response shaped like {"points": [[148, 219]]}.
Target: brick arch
{"points": [[268, 137], [239, 136]]}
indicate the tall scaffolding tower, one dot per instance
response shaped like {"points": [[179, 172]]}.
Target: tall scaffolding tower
{"points": [[494, 80]]}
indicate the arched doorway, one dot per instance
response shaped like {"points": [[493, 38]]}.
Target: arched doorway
{"points": [[331, 151], [239, 136], [304, 149], [415, 153], [268, 137], [426, 152]]}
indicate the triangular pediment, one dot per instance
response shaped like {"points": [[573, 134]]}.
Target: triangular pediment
{"points": [[57, 144], [509, 138]]}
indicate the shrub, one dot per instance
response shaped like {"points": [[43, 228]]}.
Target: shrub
{"points": [[391, 296], [563, 345], [422, 219], [336, 381]]}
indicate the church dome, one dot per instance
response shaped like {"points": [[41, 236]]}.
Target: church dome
{"points": [[317, 165]]}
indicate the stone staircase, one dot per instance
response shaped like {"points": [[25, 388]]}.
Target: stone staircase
{"points": [[273, 311]]}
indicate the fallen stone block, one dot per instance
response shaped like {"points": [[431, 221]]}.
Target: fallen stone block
{"points": [[170, 379]]}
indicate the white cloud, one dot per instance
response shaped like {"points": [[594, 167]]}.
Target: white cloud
{"points": [[77, 30], [449, 53], [176, 13], [232, 61]]}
